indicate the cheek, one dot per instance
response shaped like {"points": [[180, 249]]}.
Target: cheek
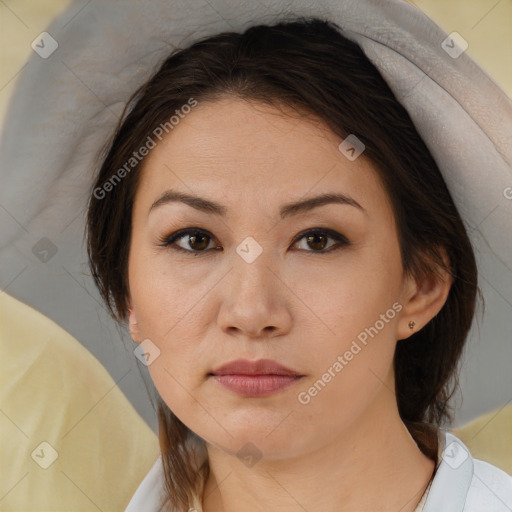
{"points": [[353, 365], [167, 295], [343, 299], [174, 311], [356, 314]]}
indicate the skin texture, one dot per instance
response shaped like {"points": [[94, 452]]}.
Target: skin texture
{"points": [[347, 449]]}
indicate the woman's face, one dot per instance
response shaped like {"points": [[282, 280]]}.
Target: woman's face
{"points": [[256, 286]]}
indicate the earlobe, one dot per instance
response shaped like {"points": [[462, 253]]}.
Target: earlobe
{"points": [[134, 327], [425, 299]]}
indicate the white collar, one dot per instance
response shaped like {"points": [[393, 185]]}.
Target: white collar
{"points": [[453, 476]]}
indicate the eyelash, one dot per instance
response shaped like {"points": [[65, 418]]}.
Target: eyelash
{"points": [[168, 241]]}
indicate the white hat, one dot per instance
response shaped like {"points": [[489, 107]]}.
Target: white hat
{"points": [[83, 70]]}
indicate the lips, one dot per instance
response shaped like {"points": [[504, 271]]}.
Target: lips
{"points": [[259, 367], [255, 379]]}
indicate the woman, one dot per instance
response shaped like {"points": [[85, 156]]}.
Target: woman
{"points": [[289, 380]]}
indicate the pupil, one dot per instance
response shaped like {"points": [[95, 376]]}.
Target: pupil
{"points": [[193, 240], [311, 240]]}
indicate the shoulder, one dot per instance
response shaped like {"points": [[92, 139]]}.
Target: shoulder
{"points": [[466, 484], [490, 489]]}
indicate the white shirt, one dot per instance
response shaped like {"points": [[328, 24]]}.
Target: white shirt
{"points": [[460, 484]]}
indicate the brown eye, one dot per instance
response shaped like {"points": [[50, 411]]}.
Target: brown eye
{"points": [[198, 242], [188, 240], [317, 240]]}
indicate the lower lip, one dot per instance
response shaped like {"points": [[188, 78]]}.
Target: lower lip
{"points": [[256, 385]]}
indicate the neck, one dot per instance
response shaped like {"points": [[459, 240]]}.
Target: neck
{"points": [[375, 462]]}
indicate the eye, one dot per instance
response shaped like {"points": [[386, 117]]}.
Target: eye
{"points": [[198, 240], [317, 238]]}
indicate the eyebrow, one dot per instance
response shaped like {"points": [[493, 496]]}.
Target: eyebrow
{"points": [[287, 210]]}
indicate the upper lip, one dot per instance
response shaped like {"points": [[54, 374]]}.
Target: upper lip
{"points": [[259, 367]]}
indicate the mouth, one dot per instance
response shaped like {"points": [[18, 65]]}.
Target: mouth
{"points": [[259, 367], [256, 385], [255, 378]]}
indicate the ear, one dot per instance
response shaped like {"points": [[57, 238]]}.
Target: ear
{"points": [[134, 327], [422, 300]]}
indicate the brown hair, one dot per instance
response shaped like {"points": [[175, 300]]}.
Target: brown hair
{"points": [[307, 64]]}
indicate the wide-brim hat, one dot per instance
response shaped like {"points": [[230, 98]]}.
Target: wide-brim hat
{"points": [[84, 68]]}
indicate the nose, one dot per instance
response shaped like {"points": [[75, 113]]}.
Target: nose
{"points": [[255, 300]]}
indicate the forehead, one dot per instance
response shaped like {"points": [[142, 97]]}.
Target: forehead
{"points": [[238, 149]]}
